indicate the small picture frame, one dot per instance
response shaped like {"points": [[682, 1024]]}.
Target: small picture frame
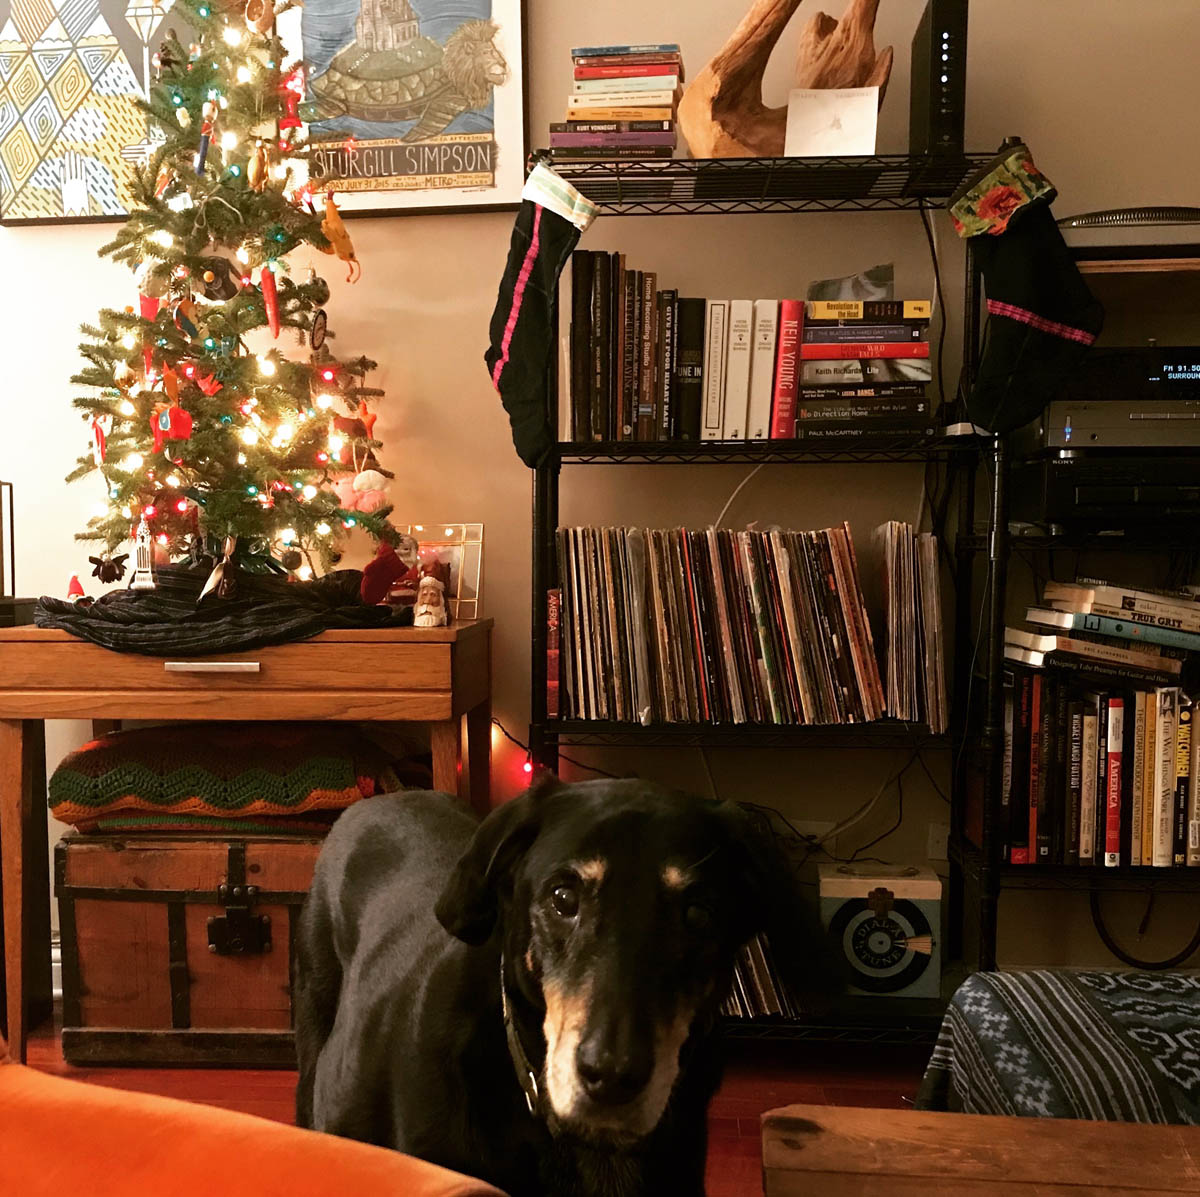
{"points": [[458, 550]]}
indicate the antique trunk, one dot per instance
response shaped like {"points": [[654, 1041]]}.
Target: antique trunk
{"points": [[177, 949]]}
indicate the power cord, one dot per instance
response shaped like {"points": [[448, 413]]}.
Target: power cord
{"points": [[1128, 958], [562, 756]]}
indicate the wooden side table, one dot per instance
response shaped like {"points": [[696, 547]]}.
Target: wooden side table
{"points": [[437, 676], [860, 1152]]}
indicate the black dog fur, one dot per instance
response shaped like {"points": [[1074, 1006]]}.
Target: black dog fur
{"points": [[415, 905]]}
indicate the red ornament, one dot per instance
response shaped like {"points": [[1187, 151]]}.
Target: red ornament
{"points": [[148, 305], [207, 383], [101, 427], [293, 89], [75, 588], [270, 299], [170, 423]]}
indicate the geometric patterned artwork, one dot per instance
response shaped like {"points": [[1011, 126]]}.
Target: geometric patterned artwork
{"points": [[70, 71]]}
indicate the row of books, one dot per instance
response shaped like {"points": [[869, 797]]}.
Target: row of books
{"points": [[722, 626], [1100, 764], [758, 991], [651, 365], [622, 104]]}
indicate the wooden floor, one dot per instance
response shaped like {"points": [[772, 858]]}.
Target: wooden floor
{"points": [[761, 1076]]}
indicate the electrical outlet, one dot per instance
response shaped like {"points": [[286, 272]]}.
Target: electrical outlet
{"points": [[939, 839]]}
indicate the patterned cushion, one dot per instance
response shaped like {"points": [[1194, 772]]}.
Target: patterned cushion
{"points": [[221, 770], [1114, 1046]]}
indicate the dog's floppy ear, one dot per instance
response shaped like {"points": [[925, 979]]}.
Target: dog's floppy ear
{"points": [[773, 903], [470, 902]]}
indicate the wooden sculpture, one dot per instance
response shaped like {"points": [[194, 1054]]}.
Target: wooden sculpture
{"points": [[722, 113]]}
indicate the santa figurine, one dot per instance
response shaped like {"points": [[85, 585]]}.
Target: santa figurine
{"points": [[430, 608]]}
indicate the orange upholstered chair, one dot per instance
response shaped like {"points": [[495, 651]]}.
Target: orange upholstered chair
{"points": [[60, 1137]]}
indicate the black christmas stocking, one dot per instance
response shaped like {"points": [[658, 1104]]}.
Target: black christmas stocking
{"points": [[1041, 315], [552, 217]]}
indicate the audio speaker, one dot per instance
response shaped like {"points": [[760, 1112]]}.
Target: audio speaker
{"points": [[938, 96], [886, 921]]}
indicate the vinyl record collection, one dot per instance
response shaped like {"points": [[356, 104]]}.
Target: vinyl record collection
{"points": [[721, 626], [1100, 763], [651, 365], [758, 991]]}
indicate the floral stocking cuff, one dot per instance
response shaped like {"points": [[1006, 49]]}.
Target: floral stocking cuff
{"points": [[987, 202]]}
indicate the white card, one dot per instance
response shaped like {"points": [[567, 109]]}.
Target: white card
{"points": [[831, 121]]}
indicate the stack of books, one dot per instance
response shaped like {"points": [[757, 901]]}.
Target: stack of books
{"points": [[651, 365], [718, 626], [1100, 767], [622, 104]]}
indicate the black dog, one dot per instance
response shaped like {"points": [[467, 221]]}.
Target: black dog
{"points": [[570, 1049]]}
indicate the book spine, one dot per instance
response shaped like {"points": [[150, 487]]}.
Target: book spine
{"points": [[716, 347], [1193, 819], [818, 333], [865, 371], [648, 339], [670, 366], [1035, 764], [632, 97], [610, 140], [886, 411], [689, 373], [626, 50], [900, 428], [628, 349], [783, 400], [869, 309], [1087, 789], [737, 370], [1008, 686], [1116, 743], [1139, 765], [1145, 796], [553, 651], [1100, 815], [1183, 768], [637, 70], [853, 392], [616, 365], [575, 126], [1091, 650], [601, 304], [625, 85], [624, 112], [762, 369], [1044, 826], [609, 153], [863, 349], [1086, 667], [1131, 606], [1167, 698], [581, 345], [1074, 783]]}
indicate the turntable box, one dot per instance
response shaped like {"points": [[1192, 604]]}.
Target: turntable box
{"points": [[886, 920]]}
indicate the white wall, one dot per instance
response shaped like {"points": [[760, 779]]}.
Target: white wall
{"points": [[1104, 91]]}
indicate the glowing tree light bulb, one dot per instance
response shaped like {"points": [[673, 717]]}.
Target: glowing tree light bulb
{"points": [[336, 443], [242, 255], [323, 529], [229, 139], [266, 367], [232, 36], [284, 433], [173, 480], [100, 510], [128, 341], [287, 535], [250, 436], [304, 573], [127, 513], [134, 461], [126, 408], [241, 459], [149, 511], [324, 402], [181, 506], [244, 74], [310, 492]]}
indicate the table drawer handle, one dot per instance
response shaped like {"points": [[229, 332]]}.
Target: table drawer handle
{"points": [[211, 666]]}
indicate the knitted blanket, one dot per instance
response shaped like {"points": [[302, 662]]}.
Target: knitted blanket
{"points": [[1110, 1046], [219, 770]]}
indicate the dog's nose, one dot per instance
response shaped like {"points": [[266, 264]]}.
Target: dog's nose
{"points": [[610, 1077]]}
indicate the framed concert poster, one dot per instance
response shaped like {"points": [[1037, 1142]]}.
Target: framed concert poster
{"points": [[415, 105]]}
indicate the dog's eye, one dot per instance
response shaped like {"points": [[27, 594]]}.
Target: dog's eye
{"points": [[565, 900], [697, 917]]}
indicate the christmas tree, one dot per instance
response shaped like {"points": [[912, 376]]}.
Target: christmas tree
{"points": [[205, 447]]}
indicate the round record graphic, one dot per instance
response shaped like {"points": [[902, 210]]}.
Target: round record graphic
{"points": [[877, 948]]}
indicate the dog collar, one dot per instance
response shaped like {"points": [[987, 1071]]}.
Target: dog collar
{"points": [[526, 1077]]}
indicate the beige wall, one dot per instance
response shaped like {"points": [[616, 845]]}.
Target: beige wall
{"points": [[1104, 91]]}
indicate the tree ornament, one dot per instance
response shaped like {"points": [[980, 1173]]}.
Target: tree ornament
{"points": [[260, 15], [184, 316], [219, 281], [184, 117], [256, 168], [101, 427], [318, 289], [339, 240], [293, 90], [143, 571], [270, 298], [223, 580], [291, 560], [109, 568], [75, 592], [164, 180], [207, 127], [170, 422], [320, 325], [367, 418]]}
